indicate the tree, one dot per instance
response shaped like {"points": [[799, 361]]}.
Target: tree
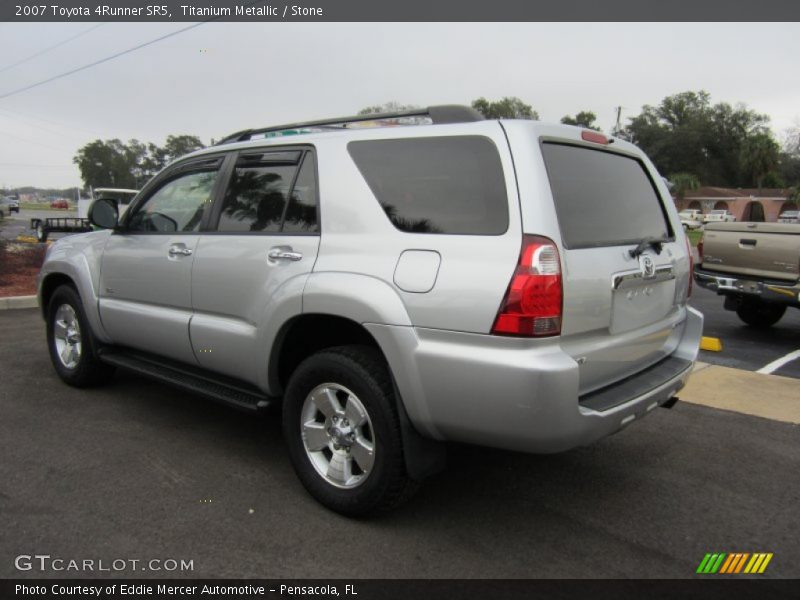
{"points": [[584, 119], [111, 163], [106, 163], [506, 108], [389, 107], [686, 133], [682, 183], [759, 157]]}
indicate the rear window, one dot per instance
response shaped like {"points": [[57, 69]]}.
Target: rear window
{"points": [[449, 185], [602, 198]]}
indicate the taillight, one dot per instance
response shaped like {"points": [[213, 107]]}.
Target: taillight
{"points": [[691, 264], [532, 304]]}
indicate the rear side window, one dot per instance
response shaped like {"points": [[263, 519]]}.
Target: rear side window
{"points": [[602, 198], [449, 185], [257, 192]]}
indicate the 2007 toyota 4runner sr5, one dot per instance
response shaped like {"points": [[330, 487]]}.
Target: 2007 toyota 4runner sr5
{"points": [[506, 283]]}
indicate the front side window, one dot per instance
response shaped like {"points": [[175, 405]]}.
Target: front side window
{"points": [[177, 206]]}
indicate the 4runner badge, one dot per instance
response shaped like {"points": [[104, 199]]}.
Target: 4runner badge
{"points": [[648, 267]]}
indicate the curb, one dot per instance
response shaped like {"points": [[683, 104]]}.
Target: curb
{"points": [[762, 395], [12, 302]]}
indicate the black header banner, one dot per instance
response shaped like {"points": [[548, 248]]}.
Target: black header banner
{"points": [[405, 11]]}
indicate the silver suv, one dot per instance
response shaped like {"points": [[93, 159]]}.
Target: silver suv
{"points": [[506, 283]]}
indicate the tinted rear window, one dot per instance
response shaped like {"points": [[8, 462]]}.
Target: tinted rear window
{"points": [[451, 185], [602, 198]]}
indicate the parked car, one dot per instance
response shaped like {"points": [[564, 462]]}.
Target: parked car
{"points": [[392, 288], [789, 216], [59, 204], [754, 266], [9, 205], [691, 218], [718, 216]]}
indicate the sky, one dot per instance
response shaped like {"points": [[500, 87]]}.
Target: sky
{"points": [[221, 77]]}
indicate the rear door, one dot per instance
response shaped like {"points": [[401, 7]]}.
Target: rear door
{"points": [[620, 309], [263, 237]]}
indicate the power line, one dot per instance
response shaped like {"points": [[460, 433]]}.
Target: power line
{"points": [[36, 165], [27, 141], [43, 120], [49, 48], [98, 62]]}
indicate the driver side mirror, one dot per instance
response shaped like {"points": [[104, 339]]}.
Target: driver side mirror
{"points": [[104, 213]]}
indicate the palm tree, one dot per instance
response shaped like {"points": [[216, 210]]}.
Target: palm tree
{"points": [[682, 183], [759, 156]]}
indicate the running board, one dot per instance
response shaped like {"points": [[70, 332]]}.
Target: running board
{"points": [[222, 389]]}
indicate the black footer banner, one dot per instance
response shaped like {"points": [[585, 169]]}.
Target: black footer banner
{"points": [[400, 589]]}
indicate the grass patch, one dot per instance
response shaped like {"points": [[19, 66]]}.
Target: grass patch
{"points": [[694, 236]]}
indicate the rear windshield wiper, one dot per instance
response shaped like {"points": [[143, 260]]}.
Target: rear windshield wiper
{"points": [[654, 242]]}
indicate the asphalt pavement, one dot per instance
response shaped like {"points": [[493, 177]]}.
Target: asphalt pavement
{"points": [[138, 470], [745, 347]]}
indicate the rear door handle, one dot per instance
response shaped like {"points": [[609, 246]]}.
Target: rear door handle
{"points": [[748, 242], [284, 253], [179, 250]]}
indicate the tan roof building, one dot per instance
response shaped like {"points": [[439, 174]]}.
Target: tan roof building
{"points": [[744, 203]]}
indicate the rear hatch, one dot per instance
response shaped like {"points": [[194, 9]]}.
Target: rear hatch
{"points": [[763, 250], [623, 297]]}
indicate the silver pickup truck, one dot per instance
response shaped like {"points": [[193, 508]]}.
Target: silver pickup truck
{"points": [[756, 266]]}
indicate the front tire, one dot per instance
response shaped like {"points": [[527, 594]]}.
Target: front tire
{"points": [[341, 425], [73, 349], [760, 314]]}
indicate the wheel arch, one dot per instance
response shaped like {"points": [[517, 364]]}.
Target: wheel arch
{"points": [[309, 333]]}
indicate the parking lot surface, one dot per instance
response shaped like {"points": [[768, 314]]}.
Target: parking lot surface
{"points": [[137, 470], [744, 347]]}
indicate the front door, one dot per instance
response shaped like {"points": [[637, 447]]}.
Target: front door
{"points": [[145, 275]]}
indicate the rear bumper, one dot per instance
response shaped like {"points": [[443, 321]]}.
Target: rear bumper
{"points": [[520, 394], [776, 292]]}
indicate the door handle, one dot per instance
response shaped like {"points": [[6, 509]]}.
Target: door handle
{"points": [[179, 251], [284, 253]]}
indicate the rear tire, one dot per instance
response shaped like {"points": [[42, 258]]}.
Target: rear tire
{"points": [[342, 428], [760, 314], [73, 349]]}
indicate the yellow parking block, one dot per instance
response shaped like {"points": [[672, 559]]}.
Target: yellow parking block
{"points": [[711, 344]]}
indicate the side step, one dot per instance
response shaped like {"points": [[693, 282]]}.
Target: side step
{"points": [[222, 389]]}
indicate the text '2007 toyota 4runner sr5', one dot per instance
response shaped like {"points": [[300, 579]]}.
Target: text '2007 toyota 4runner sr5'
{"points": [[505, 283]]}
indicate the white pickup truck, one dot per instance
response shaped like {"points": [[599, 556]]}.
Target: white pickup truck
{"points": [[691, 218], [719, 216]]}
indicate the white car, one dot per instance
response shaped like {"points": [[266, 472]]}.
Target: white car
{"points": [[789, 216]]}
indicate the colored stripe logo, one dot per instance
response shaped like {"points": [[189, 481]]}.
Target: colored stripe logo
{"points": [[734, 563]]}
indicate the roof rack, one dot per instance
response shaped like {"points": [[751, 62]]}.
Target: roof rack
{"points": [[439, 115]]}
